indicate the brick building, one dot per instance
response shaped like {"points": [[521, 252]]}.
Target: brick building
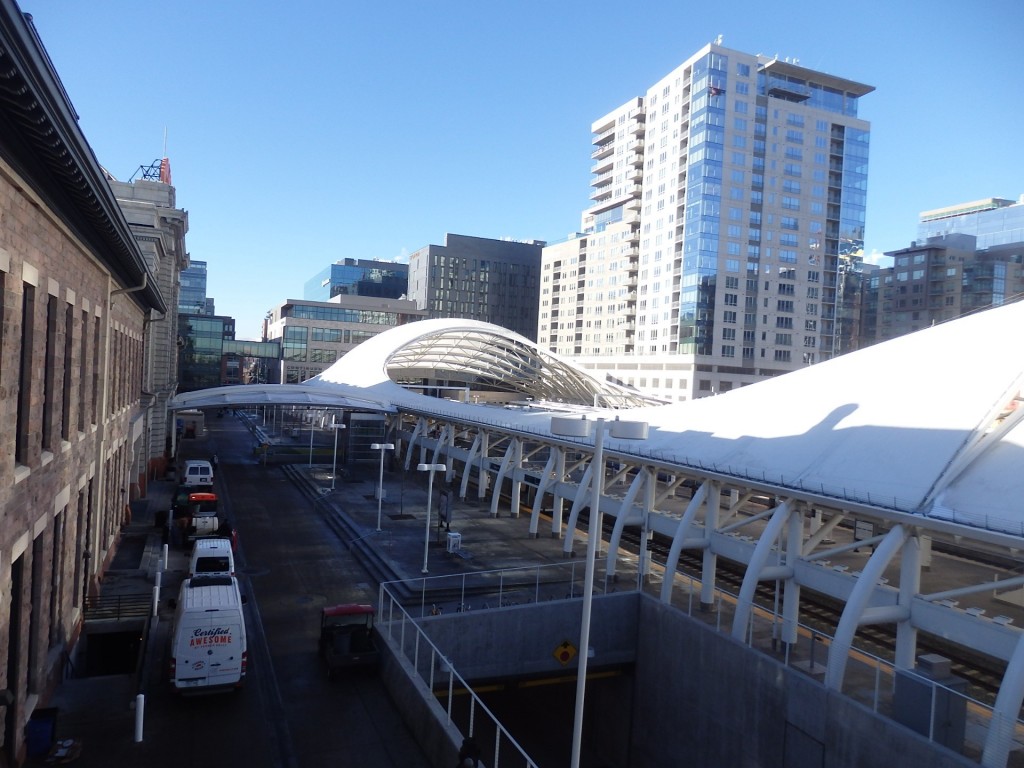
{"points": [[75, 296]]}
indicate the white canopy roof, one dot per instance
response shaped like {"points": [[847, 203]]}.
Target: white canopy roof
{"points": [[926, 423]]}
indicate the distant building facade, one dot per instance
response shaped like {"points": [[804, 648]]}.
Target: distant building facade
{"points": [[940, 279], [159, 227], [495, 281], [192, 299], [359, 277], [313, 335], [727, 221], [993, 221]]}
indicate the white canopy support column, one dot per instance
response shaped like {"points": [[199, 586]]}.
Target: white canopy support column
{"points": [[546, 481], [516, 474], [642, 565], [1003, 726], [791, 591], [470, 459], [853, 613], [418, 431], [483, 473], [756, 567], [709, 566], [583, 494], [506, 462], [679, 539], [623, 517], [558, 501], [910, 587], [439, 449]]}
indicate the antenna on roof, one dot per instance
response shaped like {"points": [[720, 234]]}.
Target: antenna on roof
{"points": [[718, 40]]}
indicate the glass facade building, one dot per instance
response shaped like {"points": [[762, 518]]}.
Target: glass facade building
{"points": [[359, 277], [992, 222], [192, 296]]}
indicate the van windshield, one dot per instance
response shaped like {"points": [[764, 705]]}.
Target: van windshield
{"points": [[212, 565]]}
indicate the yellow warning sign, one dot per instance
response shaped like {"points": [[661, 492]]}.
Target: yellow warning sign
{"points": [[565, 653]]}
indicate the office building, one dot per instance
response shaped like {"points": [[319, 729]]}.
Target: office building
{"points": [[476, 278], [211, 356], [726, 225], [359, 277], [993, 221], [314, 334], [192, 299]]}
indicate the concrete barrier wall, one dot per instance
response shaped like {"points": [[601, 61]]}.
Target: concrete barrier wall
{"points": [[697, 697], [524, 639], [708, 700]]}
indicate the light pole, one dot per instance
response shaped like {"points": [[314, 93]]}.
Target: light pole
{"points": [[380, 485], [430, 493], [634, 430], [336, 426], [311, 441]]}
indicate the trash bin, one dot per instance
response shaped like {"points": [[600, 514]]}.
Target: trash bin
{"points": [[41, 732]]}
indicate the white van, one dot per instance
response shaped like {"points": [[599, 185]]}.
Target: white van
{"points": [[197, 472], [211, 557], [208, 645]]}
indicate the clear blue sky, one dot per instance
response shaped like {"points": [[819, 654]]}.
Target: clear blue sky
{"points": [[305, 132]]}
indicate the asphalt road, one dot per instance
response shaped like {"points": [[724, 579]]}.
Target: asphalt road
{"points": [[291, 565]]}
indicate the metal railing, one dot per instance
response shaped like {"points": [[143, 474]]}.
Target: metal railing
{"points": [[473, 720], [869, 679]]}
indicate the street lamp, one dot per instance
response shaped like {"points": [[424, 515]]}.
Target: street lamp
{"points": [[310, 440], [630, 430], [380, 486], [336, 426], [430, 493]]}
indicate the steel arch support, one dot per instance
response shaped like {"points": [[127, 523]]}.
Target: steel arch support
{"points": [[542, 489], [578, 502], [910, 587], [682, 531], [1003, 725], [417, 432], [483, 481], [758, 560], [791, 592], [502, 471], [621, 518], [557, 502], [709, 562], [839, 651], [470, 458], [516, 475]]}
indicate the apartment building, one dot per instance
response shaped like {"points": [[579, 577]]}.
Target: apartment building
{"points": [[477, 278], [76, 297], [942, 277], [726, 224]]}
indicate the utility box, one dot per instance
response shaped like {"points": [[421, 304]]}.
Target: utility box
{"points": [[931, 701]]}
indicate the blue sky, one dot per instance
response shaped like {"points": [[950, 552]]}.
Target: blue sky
{"points": [[301, 133]]}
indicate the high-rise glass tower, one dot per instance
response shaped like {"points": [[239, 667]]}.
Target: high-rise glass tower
{"points": [[726, 223]]}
